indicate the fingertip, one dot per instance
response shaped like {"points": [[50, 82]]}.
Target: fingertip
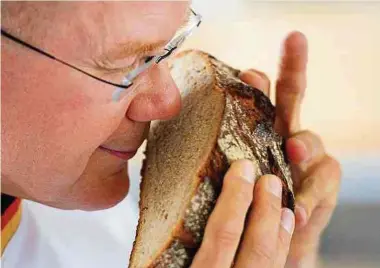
{"points": [[273, 184], [295, 53], [287, 220], [296, 150], [244, 169], [301, 217], [256, 79], [250, 77], [295, 40], [254, 72]]}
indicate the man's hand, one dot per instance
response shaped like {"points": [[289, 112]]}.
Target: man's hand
{"points": [[316, 174], [264, 232]]}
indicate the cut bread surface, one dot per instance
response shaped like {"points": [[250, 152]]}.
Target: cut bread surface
{"points": [[175, 152], [221, 120]]}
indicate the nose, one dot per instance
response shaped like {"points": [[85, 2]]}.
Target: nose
{"points": [[160, 98]]}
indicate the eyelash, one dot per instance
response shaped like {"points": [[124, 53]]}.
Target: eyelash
{"points": [[123, 70], [135, 64]]}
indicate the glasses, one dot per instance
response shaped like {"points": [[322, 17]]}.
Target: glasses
{"points": [[180, 36]]}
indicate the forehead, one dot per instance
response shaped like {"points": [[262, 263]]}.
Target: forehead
{"points": [[92, 28]]}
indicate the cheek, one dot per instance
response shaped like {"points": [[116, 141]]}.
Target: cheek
{"points": [[51, 127], [76, 124]]}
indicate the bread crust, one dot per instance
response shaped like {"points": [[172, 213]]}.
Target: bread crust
{"points": [[258, 109]]}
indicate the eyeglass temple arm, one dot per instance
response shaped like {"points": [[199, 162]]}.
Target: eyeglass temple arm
{"points": [[38, 50]]}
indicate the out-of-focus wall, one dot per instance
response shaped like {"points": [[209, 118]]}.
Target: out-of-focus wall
{"points": [[343, 94], [342, 101]]}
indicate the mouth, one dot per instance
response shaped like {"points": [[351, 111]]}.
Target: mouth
{"points": [[125, 155]]}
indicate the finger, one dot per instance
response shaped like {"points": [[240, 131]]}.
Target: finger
{"points": [[304, 150], [284, 236], [305, 147], [306, 240], [225, 225], [321, 184], [291, 84], [257, 80], [260, 238]]}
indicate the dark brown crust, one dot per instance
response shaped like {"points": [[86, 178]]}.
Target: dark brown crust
{"points": [[258, 108], [216, 166], [215, 169], [244, 94]]}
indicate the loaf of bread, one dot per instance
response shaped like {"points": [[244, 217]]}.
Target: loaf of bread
{"points": [[222, 120]]}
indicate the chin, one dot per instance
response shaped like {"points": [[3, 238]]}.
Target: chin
{"points": [[90, 194], [104, 184], [114, 189]]}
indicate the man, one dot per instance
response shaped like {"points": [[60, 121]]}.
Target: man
{"points": [[66, 140]]}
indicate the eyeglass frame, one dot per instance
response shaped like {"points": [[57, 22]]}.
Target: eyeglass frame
{"points": [[127, 80]]}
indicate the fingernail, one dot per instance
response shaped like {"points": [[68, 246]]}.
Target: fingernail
{"points": [[274, 185], [301, 215], [287, 220], [304, 154], [249, 76], [300, 153], [247, 170]]}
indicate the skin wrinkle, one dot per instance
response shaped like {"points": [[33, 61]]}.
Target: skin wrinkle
{"points": [[103, 55], [109, 59], [123, 50], [50, 139]]}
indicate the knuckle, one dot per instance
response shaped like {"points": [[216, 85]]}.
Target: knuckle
{"points": [[239, 193], [242, 195], [220, 239], [263, 251], [330, 205], [226, 237], [292, 84], [332, 171], [315, 191], [324, 211], [335, 165], [274, 206], [266, 203], [268, 209], [314, 187], [311, 194]]}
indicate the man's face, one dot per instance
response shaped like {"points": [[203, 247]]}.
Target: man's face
{"points": [[65, 143]]}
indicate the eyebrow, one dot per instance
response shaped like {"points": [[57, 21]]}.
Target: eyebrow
{"points": [[123, 50], [134, 48]]}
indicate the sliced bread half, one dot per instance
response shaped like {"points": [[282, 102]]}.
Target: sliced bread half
{"points": [[222, 120]]}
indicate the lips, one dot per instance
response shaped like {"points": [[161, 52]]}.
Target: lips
{"points": [[125, 155]]}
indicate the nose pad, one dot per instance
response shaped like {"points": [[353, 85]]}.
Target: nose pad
{"points": [[159, 98]]}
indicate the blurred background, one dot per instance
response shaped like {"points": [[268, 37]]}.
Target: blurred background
{"points": [[342, 104]]}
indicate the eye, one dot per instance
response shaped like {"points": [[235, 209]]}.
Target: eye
{"points": [[148, 59]]}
